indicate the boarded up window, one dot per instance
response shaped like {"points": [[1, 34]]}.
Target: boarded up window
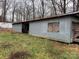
{"points": [[53, 27]]}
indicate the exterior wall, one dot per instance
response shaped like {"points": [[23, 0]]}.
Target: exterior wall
{"points": [[40, 28], [17, 27]]}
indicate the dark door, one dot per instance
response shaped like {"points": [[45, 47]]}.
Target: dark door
{"points": [[25, 27]]}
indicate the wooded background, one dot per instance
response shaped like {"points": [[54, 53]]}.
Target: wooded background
{"points": [[22, 10]]}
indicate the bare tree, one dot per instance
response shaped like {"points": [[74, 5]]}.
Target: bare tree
{"points": [[13, 9], [54, 6], [77, 9], [33, 8], [29, 9], [4, 10], [42, 6], [64, 8]]}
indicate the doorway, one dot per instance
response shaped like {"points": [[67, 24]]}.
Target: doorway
{"points": [[75, 31], [25, 27]]}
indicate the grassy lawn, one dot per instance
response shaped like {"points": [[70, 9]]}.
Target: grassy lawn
{"points": [[35, 48]]}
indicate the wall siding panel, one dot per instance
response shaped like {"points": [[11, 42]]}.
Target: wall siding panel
{"points": [[40, 28], [17, 27]]}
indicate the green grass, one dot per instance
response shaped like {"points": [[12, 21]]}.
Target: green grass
{"points": [[38, 48]]}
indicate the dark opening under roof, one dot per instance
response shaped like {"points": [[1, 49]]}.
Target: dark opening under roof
{"points": [[46, 18]]}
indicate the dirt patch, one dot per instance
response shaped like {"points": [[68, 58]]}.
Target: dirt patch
{"points": [[20, 55], [6, 30], [5, 45], [69, 47]]}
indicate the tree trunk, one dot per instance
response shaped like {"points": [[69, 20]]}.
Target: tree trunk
{"points": [[74, 5], [42, 4], [77, 9], [33, 9], [4, 14], [64, 8], [13, 15], [53, 3]]}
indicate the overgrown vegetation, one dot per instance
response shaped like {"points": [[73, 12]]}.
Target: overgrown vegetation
{"points": [[23, 46]]}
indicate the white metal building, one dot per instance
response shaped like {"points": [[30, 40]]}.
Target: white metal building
{"points": [[64, 28]]}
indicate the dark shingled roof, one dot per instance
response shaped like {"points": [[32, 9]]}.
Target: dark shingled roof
{"points": [[47, 18]]}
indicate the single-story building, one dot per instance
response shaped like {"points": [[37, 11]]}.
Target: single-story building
{"points": [[64, 28], [5, 24]]}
